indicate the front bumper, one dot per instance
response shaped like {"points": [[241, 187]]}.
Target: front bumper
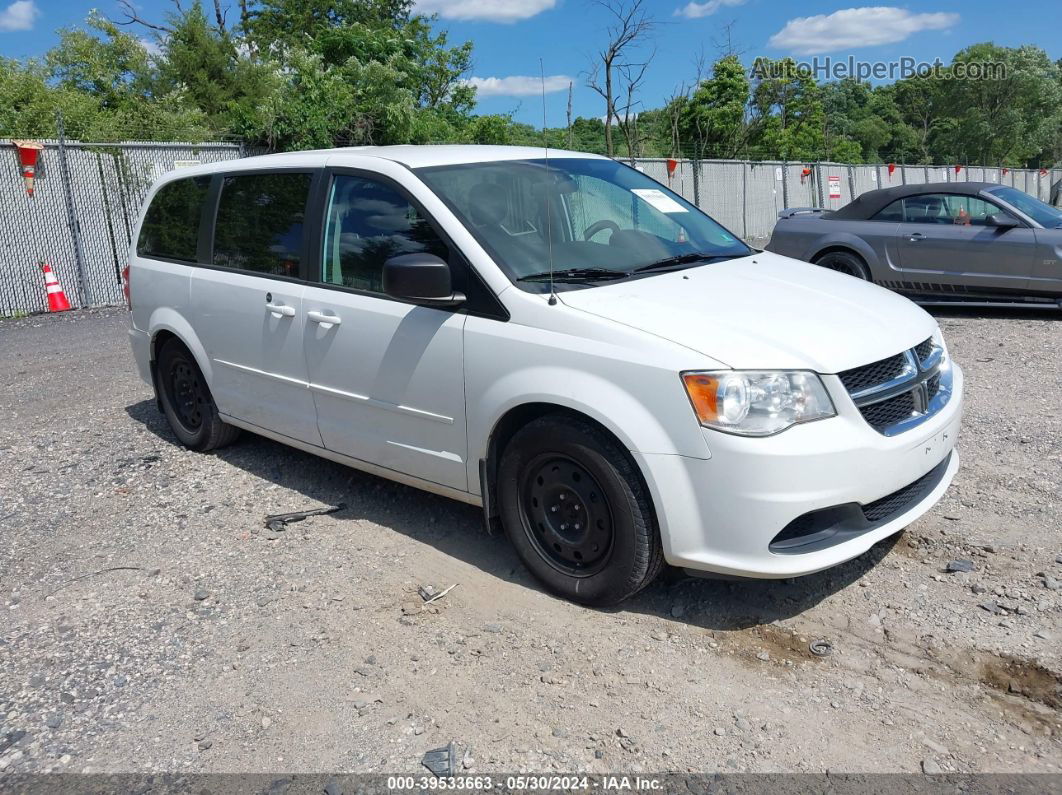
{"points": [[721, 514]]}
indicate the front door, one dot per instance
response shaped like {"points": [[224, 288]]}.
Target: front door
{"points": [[945, 241], [248, 308], [387, 377]]}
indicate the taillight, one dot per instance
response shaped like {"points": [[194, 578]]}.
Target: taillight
{"points": [[125, 287]]}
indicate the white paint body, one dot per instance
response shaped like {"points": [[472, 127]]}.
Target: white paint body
{"points": [[413, 393]]}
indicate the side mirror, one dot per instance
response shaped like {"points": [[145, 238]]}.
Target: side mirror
{"points": [[421, 279], [1002, 221]]}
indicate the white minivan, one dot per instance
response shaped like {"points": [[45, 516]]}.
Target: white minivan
{"points": [[614, 377]]}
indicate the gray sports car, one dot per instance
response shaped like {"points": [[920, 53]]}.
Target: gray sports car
{"points": [[971, 242]]}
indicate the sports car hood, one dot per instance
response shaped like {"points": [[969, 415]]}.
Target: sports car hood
{"points": [[765, 312]]}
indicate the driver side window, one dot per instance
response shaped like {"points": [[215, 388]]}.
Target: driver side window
{"points": [[367, 223], [948, 209]]}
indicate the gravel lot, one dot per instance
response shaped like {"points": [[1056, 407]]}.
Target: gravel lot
{"points": [[150, 623]]}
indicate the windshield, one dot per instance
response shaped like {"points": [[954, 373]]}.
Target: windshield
{"points": [[601, 219], [1044, 214]]}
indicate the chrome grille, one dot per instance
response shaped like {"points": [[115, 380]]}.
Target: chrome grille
{"points": [[899, 392], [886, 413], [859, 378], [923, 349]]}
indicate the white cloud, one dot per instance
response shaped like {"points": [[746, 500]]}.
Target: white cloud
{"points": [[487, 10], [697, 10], [152, 46], [856, 27], [517, 85], [20, 15]]}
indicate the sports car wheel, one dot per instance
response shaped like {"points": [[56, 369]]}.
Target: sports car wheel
{"points": [[845, 262]]}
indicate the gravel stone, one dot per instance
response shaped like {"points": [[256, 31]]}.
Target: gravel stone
{"points": [[92, 480]]}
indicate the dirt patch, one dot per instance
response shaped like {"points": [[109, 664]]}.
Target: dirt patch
{"points": [[780, 643], [1024, 677]]}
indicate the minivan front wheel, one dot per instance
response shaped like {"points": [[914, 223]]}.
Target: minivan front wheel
{"points": [[577, 512], [187, 402]]}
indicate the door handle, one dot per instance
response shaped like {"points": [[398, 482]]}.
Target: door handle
{"points": [[323, 319], [914, 237], [280, 310]]}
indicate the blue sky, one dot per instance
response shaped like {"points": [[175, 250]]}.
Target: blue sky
{"points": [[510, 37]]}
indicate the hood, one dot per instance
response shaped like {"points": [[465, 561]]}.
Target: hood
{"points": [[765, 312]]}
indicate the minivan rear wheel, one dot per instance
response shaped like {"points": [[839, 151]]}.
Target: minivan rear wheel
{"points": [[187, 402], [576, 510]]}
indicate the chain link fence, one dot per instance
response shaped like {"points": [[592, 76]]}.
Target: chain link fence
{"points": [[81, 217], [88, 195]]}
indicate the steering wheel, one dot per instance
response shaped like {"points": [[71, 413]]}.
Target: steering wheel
{"points": [[597, 226]]}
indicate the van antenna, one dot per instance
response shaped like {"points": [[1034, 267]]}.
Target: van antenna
{"points": [[545, 193]]}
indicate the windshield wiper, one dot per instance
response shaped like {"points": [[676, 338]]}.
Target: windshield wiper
{"points": [[575, 274], [683, 259]]}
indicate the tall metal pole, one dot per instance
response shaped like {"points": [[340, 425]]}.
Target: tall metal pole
{"points": [[745, 200], [71, 213], [697, 183], [785, 184]]}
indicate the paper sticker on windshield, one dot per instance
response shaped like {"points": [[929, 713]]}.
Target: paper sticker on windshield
{"points": [[659, 200]]}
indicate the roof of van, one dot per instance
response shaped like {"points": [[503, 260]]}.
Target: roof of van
{"points": [[417, 156]]}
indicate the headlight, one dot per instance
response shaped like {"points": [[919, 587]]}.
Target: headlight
{"points": [[755, 403]]}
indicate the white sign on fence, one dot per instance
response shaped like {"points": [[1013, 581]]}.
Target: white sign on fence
{"points": [[835, 187]]}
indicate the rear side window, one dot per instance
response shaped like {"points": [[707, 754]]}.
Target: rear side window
{"points": [[260, 223], [892, 212], [171, 224]]}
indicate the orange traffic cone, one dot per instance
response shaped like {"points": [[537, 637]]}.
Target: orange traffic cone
{"points": [[56, 297]]}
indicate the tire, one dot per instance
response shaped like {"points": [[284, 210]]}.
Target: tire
{"points": [[557, 470], [187, 402], [845, 262]]}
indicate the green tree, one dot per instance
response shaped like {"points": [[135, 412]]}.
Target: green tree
{"points": [[714, 119], [788, 116], [1011, 119]]}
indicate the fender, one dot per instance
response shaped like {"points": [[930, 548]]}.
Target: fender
{"points": [[591, 395], [844, 240], [168, 319]]}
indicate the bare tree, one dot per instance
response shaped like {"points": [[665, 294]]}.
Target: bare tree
{"points": [[631, 77], [674, 108], [724, 42], [132, 18], [569, 114], [630, 25], [219, 14]]}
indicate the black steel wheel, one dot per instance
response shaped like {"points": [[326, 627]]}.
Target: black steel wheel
{"points": [[566, 515], [186, 400], [577, 511], [845, 262], [189, 394]]}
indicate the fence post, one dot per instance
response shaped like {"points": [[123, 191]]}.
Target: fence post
{"points": [[71, 213], [696, 182], [851, 182], [817, 173], [785, 184], [745, 201]]}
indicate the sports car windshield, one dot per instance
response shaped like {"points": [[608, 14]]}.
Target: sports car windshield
{"points": [[599, 220], [1044, 214]]}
